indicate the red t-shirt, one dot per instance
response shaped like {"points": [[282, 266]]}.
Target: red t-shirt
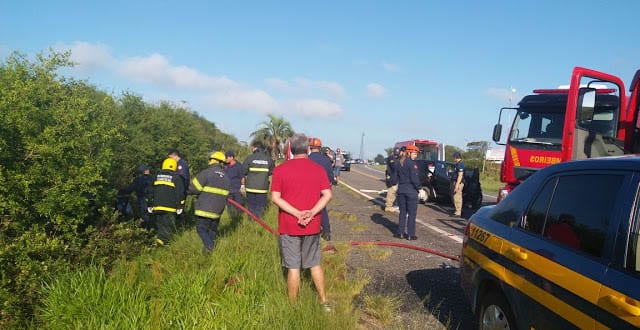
{"points": [[300, 182]]}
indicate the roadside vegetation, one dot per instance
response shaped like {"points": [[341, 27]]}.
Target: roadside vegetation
{"points": [[241, 285]]}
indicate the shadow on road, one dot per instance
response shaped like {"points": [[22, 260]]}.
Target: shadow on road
{"points": [[439, 289], [390, 222]]}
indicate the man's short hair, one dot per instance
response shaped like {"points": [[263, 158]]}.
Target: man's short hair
{"points": [[173, 152], [258, 145], [299, 144]]}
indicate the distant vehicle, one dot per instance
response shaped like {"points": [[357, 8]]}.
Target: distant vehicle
{"points": [[346, 166], [560, 251]]}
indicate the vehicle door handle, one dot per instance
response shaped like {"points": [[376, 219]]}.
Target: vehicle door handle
{"points": [[515, 252], [623, 305]]}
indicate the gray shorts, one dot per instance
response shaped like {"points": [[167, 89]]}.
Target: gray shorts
{"points": [[300, 252]]}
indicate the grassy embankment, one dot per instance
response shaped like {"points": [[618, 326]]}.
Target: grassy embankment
{"points": [[240, 286]]}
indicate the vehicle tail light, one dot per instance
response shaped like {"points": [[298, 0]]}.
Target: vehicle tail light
{"points": [[467, 230]]}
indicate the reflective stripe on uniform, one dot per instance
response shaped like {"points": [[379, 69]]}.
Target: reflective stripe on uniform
{"points": [[164, 183], [256, 191], [258, 169], [196, 184], [214, 190], [163, 208], [207, 214]]}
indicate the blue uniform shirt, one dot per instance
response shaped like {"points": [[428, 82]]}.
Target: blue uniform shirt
{"points": [[408, 181], [234, 173], [323, 161]]}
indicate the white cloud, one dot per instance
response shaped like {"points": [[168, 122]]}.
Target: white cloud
{"points": [[314, 108], [157, 70], [89, 57], [218, 92], [376, 90], [391, 67], [503, 94], [307, 87]]}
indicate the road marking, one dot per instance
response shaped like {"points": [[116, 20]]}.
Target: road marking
{"points": [[454, 237], [373, 191], [369, 175]]}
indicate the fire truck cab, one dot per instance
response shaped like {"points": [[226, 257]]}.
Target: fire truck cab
{"points": [[585, 120]]}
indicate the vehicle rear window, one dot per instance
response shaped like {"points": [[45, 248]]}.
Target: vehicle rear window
{"points": [[575, 210]]}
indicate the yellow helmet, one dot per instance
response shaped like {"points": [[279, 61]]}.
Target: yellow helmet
{"points": [[169, 164], [217, 155]]}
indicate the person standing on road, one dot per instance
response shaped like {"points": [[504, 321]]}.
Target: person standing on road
{"points": [[234, 172], [337, 165], [167, 193], [301, 190], [257, 170], [314, 146], [408, 186], [212, 188], [458, 185], [391, 180]]}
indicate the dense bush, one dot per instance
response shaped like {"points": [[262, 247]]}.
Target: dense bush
{"points": [[65, 149]]}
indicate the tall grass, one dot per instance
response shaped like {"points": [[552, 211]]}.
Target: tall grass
{"points": [[241, 285]]}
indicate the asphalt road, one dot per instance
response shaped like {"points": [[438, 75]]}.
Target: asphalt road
{"points": [[428, 284]]}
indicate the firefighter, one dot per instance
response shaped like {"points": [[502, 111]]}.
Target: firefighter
{"points": [[167, 192], [212, 188], [408, 186], [323, 160], [257, 170], [139, 187]]}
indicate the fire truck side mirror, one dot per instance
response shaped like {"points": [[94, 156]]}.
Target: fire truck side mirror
{"points": [[497, 132], [586, 104]]}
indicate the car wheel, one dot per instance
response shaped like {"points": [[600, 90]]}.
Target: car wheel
{"points": [[495, 313]]}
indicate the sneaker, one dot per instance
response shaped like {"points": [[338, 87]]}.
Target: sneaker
{"points": [[412, 238], [392, 209], [327, 237], [397, 235], [326, 307]]}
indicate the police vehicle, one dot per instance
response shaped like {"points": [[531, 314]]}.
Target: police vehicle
{"points": [[559, 252]]}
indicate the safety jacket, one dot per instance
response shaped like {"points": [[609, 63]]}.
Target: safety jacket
{"points": [[166, 192], [257, 169], [212, 187]]}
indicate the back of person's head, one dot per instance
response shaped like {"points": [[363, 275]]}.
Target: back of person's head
{"points": [[315, 144], [173, 153], [299, 144], [258, 145]]}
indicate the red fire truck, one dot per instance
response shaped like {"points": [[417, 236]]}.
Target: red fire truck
{"points": [[589, 119]]}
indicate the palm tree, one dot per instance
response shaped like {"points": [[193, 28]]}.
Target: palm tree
{"points": [[273, 133]]}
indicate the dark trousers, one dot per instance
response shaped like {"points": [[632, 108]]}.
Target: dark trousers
{"points": [[144, 214], [207, 230], [325, 225], [236, 196], [165, 226], [408, 203], [256, 203]]}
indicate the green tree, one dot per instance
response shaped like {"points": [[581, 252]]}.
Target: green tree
{"points": [[273, 132]]}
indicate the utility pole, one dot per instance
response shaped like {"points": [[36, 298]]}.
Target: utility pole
{"points": [[362, 147]]}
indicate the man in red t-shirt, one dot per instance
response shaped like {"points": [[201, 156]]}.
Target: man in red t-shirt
{"points": [[301, 189]]}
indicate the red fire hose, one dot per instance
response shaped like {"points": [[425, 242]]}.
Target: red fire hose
{"points": [[331, 247]]}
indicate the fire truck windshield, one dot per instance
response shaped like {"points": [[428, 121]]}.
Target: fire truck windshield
{"points": [[539, 129], [427, 151]]}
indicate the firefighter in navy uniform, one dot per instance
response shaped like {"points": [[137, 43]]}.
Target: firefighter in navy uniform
{"points": [[408, 186], [212, 188], [323, 160], [257, 170], [167, 193]]}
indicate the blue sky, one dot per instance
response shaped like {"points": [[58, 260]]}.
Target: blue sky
{"points": [[391, 70]]}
